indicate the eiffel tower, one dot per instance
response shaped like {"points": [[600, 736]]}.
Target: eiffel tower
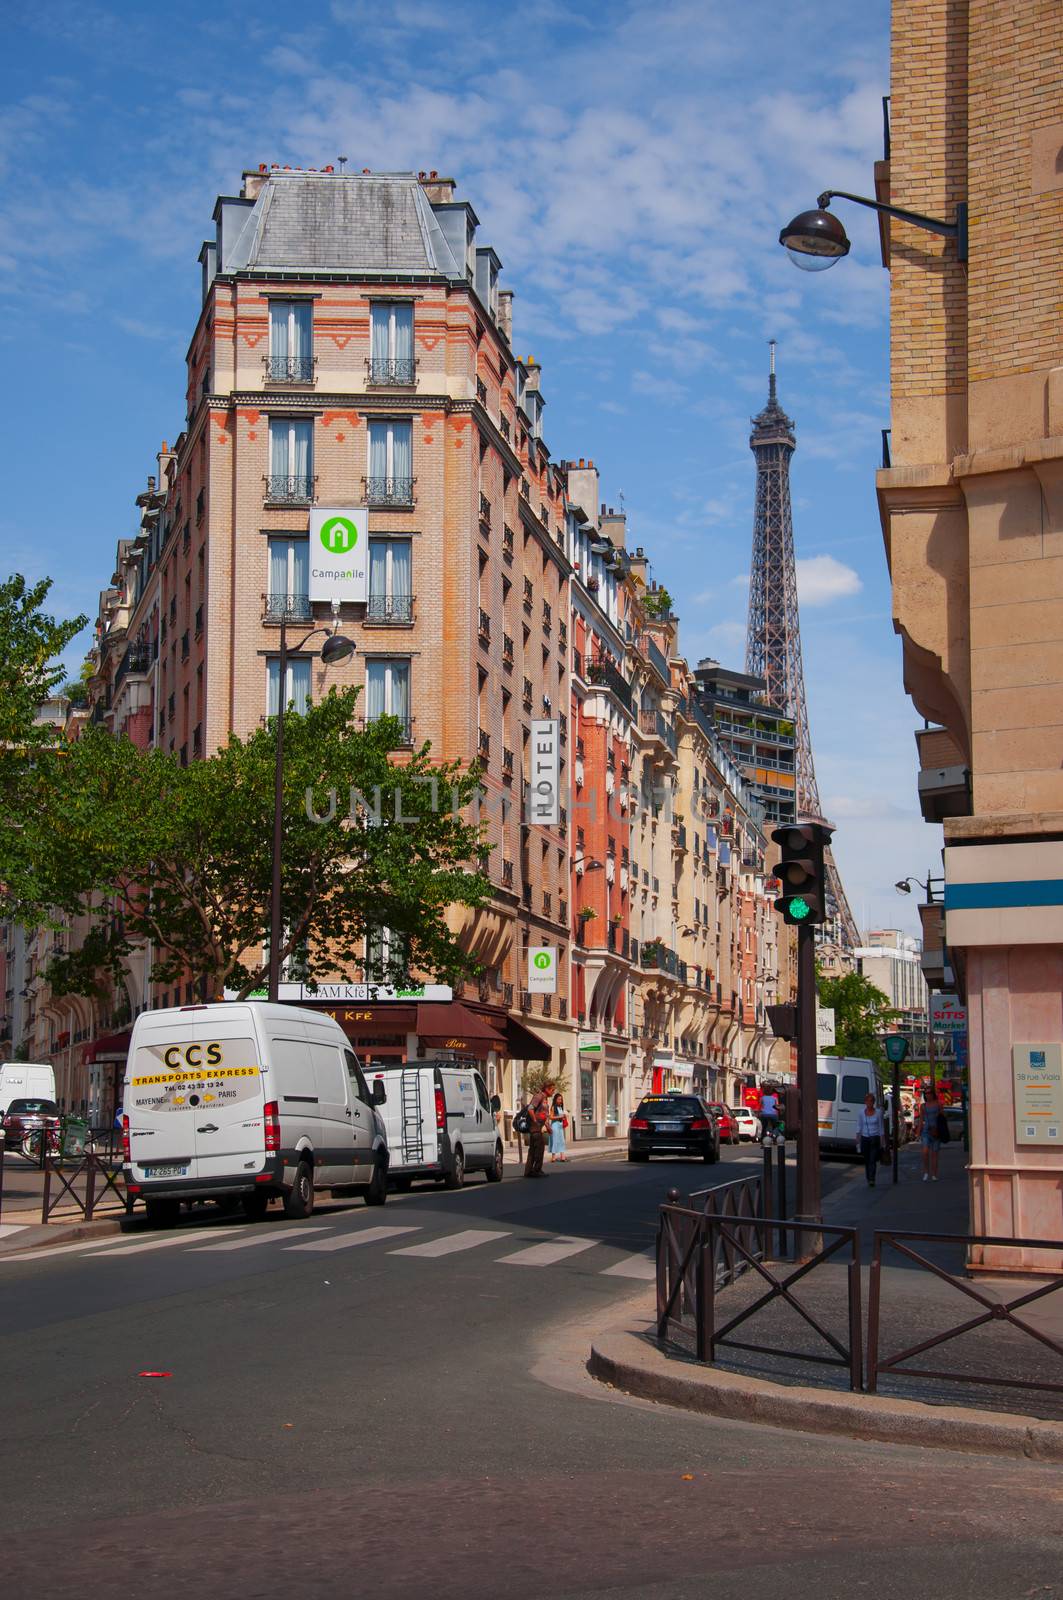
{"points": [[773, 632]]}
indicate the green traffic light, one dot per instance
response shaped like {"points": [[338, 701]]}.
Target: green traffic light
{"points": [[799, 908]]}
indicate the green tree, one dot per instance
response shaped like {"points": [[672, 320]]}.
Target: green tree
{"points": [[861, 1014], [30, 642], [657, 603], [181, 856]]}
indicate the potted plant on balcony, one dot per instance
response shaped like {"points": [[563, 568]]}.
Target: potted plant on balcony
{"points": [[617, 918], [587, 913], [651, 951]]}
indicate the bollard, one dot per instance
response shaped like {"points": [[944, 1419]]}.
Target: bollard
{"points": [[780, 1192]]}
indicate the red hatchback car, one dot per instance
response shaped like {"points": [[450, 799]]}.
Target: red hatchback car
{"points": [[725, 1121], [24, 1118]]}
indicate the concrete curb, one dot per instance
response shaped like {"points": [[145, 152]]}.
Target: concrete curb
{"points": [[627, 1360], [48, 1234]]}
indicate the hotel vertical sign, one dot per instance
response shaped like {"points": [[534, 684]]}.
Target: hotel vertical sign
{"points": [[544, 776]]}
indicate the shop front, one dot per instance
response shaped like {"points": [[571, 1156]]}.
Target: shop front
{"points": [[105, 1059]]}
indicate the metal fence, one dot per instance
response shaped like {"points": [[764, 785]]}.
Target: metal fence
{"points": [[1000, 1311]]}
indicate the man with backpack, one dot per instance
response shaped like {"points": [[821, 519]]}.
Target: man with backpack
{"points": [[530, 1122]]}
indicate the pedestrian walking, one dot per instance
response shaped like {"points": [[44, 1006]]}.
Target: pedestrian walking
{"points": [[769, 1113], [871, 1137], [558, 1124], [538, 1115], [932, 1132]]}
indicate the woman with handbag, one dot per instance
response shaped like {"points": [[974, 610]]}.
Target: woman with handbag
{"points": [[871, 1137], [558, 1125]]}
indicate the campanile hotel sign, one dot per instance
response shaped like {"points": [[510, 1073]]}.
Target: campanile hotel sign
{"points": [[339, 553]]}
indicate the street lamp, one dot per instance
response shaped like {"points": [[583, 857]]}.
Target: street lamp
{"points": [[815, 240], [336, 648], [904, 886]]}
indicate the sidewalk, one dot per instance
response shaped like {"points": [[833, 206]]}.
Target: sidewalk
{"points": [[768, 1386]]}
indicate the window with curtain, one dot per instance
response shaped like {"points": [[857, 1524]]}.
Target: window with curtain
{"points": [[391, 343], [297, 688], [289, 578], [290, 460], [390, 478], [385, 953], [291, 333], [387, 691], [390, 587]]}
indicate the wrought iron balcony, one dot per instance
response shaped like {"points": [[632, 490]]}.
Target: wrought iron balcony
{"points": [[484, 744], [657, 726], [485, 624], [507, 876], [507, 541], [405, 725], [384, 370], [659, 956], [503, 423], [507, 650], [137, 658], [485, 510], [481, 391], [384, 492], [287, 608], [529, 594], [287, 490], [507, 762], [608, 676], [389, 608], [547, 617], [527, 694], [290, 369]]}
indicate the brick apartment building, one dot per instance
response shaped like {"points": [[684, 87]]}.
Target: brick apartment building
{"points": [[353, 348], [971, 500]]}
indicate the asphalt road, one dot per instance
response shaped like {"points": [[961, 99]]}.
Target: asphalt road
{"points": [[352, 1413]]}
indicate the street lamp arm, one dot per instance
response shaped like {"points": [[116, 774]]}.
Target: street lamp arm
{"points": [[953, 230]]}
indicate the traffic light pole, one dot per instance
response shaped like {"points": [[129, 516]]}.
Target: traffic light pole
{"points": [[808, 1184]]}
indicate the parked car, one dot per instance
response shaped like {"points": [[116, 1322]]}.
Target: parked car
{"points": [[440, 1123], [748, 1122], [24, 1119], [244, 1102], [673, 1125], [726, 1121]]}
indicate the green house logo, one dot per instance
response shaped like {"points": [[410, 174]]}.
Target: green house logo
{"points": [[338, 535], [542, 961]]}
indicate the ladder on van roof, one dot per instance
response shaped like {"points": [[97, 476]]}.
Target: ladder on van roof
{"points": [[412, 1137]]}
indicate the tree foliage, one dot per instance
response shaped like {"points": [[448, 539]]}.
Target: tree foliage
{"points": [[181, 856], [861, 1014], [30, 642]]}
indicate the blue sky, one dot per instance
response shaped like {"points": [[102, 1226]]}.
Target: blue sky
{"points": [[631, 163]]}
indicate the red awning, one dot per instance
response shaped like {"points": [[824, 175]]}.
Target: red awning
{"points": [[517, 1041], [448, 1025], [111, 1047]]}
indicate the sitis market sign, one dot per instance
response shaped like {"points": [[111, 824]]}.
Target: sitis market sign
{"points": [[339, 553]]}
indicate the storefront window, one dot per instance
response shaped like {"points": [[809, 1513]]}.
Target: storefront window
{"points": [[612, 1101], [586, 1095]]}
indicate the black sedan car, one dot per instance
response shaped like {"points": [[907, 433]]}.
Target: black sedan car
{"points": [[673, 1125]]}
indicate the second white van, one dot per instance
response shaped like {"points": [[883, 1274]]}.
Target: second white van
{"points": [[247, 1102], [440, 1123], [842, 1083]]}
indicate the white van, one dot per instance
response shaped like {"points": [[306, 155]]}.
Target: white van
{"points": [[842, 1083], [246, 1102], [440, 1123], [25, 1080]]}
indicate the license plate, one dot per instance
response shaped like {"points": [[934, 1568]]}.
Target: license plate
{"points": [[669, 1127], [166, 1172]]}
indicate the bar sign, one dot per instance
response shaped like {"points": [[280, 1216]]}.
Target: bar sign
{"points": [[544, 778]]}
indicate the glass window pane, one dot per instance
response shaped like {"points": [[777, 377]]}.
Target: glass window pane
{"points": [[299, 684], [375, 682], [403, 325], [302, 328], [278, 447], [278, 329], [379, 318], [378, 567], [401, 562], [402, 449], [279, 566], [854, 1089], [827, 1085], [378, 449]]}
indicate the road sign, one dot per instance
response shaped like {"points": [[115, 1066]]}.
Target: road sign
{"points": [[896, 1048]]}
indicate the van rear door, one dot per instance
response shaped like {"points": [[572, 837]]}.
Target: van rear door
{"points": [[194, 1101]]}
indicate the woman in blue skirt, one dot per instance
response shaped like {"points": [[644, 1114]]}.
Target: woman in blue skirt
{"points": [[558, 1124]]}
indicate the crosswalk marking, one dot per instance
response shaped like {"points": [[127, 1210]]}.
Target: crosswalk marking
{"points": [[467, 1239], [345, 1241], [148, 1244], [267, 1235], [8, 1228], [642, 1267], [545, 1254]]}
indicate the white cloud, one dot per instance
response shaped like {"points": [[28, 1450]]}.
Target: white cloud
{"points": [[823, 579]]}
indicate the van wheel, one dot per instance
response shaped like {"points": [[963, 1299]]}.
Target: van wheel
{"points": [[299, 1199], [255, 1205], [455, 1178], [494, 1171], [377, 1190], [162, 1213]]}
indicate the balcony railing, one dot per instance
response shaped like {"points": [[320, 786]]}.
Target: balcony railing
{"points": [[485, 510], [507, 762], [507, 650], [658, 726], [405, 725], [507, 541], [396, 374], [290, 369], [384, 492], [608, 676], [660, 957], [389, 608], [287, 608], [527, 694], [529, 594], [485, 624], [137, 658], [504, 427], [484, 744], [287, 490], [507, 874]]}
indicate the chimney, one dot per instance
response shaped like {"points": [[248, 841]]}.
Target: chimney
{"points": [[583, 487], [505, 314], [613, 525], [253, 181], [440, 191]]}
